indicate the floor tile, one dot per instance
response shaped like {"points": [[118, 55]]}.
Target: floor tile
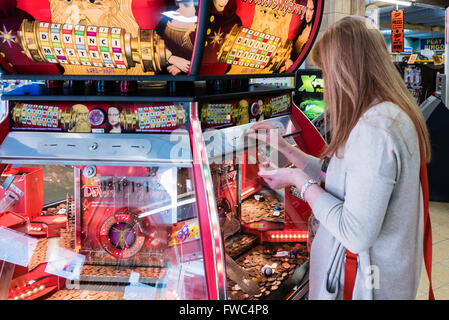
{"points": [[439, 215]]}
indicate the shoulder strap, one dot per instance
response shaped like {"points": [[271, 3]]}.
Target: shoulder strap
{"points": [[350, 274], [351, 258], [427, 245]]}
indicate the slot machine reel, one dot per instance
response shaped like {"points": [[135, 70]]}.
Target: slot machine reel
{"points": [[152, 117], [97, 46], [254, 49], [80, 118], [45, 116], [217, 114], [40, 115]]}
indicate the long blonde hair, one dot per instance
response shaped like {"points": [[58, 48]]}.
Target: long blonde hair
{"points": [[357, 70]]}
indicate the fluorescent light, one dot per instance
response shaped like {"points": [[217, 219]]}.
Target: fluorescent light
{"points": [[398, 2], [178, 204]]}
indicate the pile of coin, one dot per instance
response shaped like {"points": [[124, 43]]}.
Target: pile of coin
{"points": [[270, 209], [281, 261], [239, 243], [67, 237], [54, 210], [85, 295], [114, 271], [40, 254]]}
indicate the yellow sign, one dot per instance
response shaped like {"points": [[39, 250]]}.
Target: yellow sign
{"points": [[433, 44], [412, 58]]}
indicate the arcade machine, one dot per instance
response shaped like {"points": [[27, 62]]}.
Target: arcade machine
{"points": [[106, 176], [436, 115], [265, 231], [420, 78]]}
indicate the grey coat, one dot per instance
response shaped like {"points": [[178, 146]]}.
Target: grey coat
{"points": [[374, 207]]}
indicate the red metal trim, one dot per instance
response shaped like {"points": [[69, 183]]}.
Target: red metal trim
{"points": [[213, 253], [310, 136]]}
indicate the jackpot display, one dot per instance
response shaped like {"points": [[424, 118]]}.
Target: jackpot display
{"points": [[98, 117], [219, 115], [139, 37]]}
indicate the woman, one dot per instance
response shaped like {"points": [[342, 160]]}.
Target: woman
{"points": [[372, 204]]}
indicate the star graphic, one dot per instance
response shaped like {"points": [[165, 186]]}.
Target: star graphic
{"points": [[217, 37], [7, 36]]}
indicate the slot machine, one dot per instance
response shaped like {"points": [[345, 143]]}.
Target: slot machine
{"points": [[265, 231], [127, 158]]}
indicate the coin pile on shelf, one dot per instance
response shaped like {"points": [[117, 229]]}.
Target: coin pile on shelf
{"points": [[67, 237], [281, 260], [239, 243], [85, 295], [114, 271], [60, 208], [268, 209], [40, 254]]}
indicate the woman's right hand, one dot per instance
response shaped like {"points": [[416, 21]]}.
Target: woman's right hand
{"points": [[268, 133], [261, 131]]}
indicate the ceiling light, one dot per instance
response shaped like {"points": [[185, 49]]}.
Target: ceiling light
{"points": [[398, 2]]}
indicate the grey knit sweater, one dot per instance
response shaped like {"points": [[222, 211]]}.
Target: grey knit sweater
{"points": [[373, 206]]}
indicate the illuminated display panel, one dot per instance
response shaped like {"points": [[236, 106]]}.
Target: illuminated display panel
{"points": [[259, 36], [123, 37], [157, 38], [97, 117]]}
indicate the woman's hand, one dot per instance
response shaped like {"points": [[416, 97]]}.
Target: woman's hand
{"points": [[268, 133], [278, 178]]}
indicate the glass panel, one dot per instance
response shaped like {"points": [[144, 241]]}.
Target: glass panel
{"points": [[266, 250], [102, 232]]}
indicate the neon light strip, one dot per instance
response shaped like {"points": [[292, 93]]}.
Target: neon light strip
{"points": [[209, 219]]}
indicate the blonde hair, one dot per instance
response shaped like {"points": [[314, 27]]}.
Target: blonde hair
{"points": [[358, 70]]}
